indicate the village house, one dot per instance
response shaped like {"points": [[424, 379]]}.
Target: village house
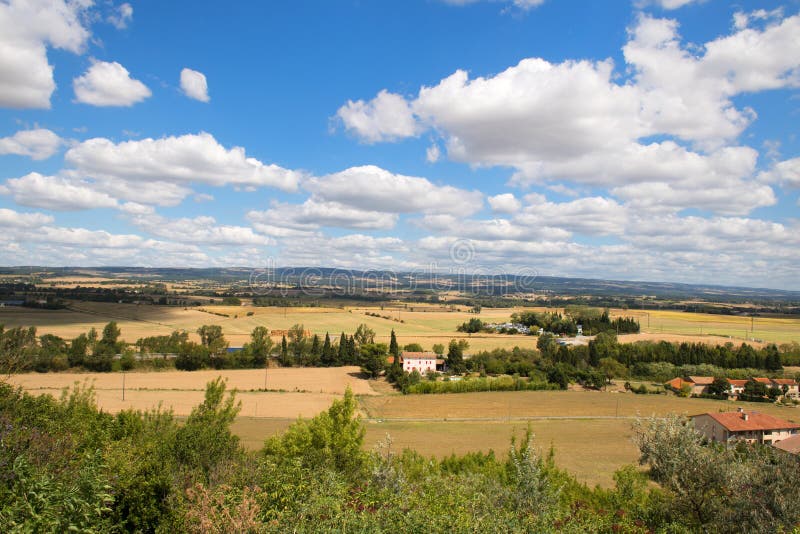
{"points": [[421, 362], [736, 387], [751, 427], [698, 384], [791, 387]]}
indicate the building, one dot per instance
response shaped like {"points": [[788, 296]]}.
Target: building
{"points": [[791, 387], [752, 427], [790, 445], [421, 362], [736, 387], [700, 384]]}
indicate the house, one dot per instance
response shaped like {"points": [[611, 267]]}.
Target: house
{"points": [[676, 384], [700, 384], [791, 387], [790, 445], [766, 381], [752, 427], [418, 361], [736, 387]]}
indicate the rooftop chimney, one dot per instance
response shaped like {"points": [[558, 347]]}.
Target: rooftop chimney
{"points": [[744, 416], [740, 409]]}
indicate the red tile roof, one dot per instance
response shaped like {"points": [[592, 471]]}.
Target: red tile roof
{"points": [[787, 381], [676, 383], [737, 383], [791, 444], [735, 422], [766, 381], [418, 355], [702, 380]]}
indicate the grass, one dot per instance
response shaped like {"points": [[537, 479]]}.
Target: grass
{"points": [[589, 449], [524, 404]]}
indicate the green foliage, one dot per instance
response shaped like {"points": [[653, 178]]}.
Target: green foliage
{"points": [[332, 439], [413, 347], [206, 439], [373, 358], [470, 385], [455, 355]]}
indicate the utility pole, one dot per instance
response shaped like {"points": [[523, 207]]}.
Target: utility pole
{"points": [[123, 385], [266, 366]]}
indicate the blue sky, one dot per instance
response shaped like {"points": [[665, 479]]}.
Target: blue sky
{"points": [[646, 140]]}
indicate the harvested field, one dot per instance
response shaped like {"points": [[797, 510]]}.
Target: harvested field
{"points": [[593, 461], [291, 392], [522, 404]]}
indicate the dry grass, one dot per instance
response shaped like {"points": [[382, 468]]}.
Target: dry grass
{"points": [[306, 392], [521, 404], [421, 324], [589, 449]]}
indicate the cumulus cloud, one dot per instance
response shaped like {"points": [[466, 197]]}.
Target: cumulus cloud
{"points": [[575, 122], [27, 29], [109, 84], [373, 188], [784, 172], [504, 203], [121, 16], [14, 219], [55, 193], [38, 144], [170, 164], [202, 230], [194, 85], [313, 214], [387, 117]]}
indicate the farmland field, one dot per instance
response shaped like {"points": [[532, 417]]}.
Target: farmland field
{"points": [[425, 324]]}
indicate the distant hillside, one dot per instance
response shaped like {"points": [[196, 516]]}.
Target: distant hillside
{"points": [[495, 285]]}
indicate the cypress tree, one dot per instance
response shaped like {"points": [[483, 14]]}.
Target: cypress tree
{"points": [[327, 351], [394, 349], [342, 350], [284, 351]]}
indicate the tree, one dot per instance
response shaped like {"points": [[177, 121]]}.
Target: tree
{"points": [[719, 386], [413, 347], [438, 348], [315, 353], [212, 339], [328, 354], [332, 439], [373, 359], [206, 438], [297, 342], [342, 353], [284, 357], [547, 345], [78, 350], [260, 346], [394, 349], [364, 335], [455, 356]]}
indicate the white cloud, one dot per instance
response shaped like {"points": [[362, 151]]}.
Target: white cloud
{"points": [[668, 4], [504, 203], [159, 171], [313, 214], [27, 28], [55, 193], [387, 117], [432, 153], [202, 230], [784, 172], [109, 84], [589, 216], [375, 189], [194, 85], [121, 16], [39, 143], [14, 219], [575, 123]]}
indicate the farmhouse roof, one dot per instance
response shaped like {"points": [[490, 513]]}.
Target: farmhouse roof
{"points": [[747, 421], [766, 381], [702, 380], [737, 383], [418, 355], [791, 444], [676, 383], [785, 381]]}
